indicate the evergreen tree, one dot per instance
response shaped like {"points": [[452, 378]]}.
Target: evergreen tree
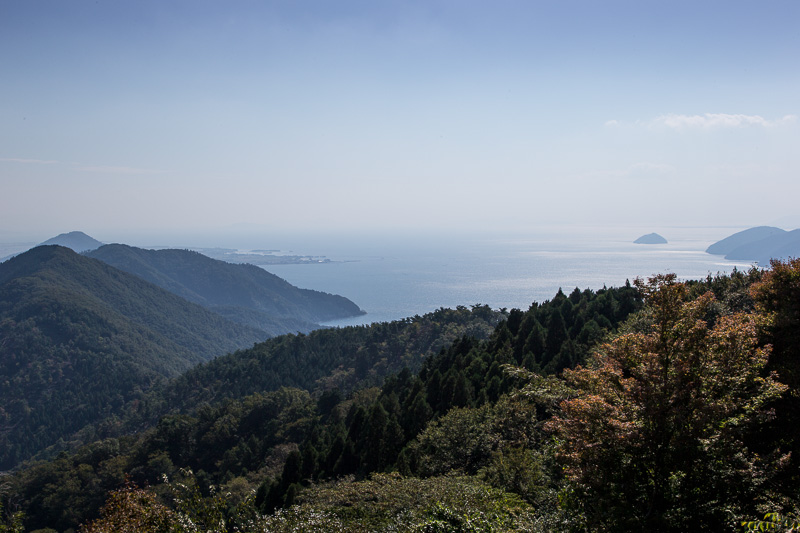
{"points": [[556, 335]]}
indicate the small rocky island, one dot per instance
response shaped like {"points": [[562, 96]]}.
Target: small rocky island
{"points": [[651, 238]]}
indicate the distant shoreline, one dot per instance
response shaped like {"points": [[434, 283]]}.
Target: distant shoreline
{"points": [[261, 257]]}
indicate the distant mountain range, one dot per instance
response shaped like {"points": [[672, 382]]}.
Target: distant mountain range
{"points": [[759, 244], [243, 293], [84, 335]]}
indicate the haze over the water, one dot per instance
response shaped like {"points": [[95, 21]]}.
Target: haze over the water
{"points": [[172, 116]]}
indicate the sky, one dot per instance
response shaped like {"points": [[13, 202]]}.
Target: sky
{"points": [[435, 115]]}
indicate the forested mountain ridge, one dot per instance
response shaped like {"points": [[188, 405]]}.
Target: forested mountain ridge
{"points": [[663, 406], [340, 358], [243, 293], [218, 430], [80, 339], [243, 383]]}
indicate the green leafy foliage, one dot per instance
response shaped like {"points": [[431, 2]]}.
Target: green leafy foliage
{"points": [[382, 503], [453, 416], [219, 443], [390, 502], [10, 522], [247, 438], [654, 438], [773, 522]]}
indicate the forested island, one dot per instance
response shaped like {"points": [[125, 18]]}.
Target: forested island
{"points": [[656, 406]]}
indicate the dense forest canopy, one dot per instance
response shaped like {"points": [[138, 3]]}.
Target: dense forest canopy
{"points": [[84, 342], [657, 406], [80, 340]]}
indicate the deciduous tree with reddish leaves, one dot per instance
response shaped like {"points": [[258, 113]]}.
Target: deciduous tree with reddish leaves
{"points": [[777, 296], [653, 439]]}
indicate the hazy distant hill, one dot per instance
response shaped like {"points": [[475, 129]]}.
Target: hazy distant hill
{"points": [[76, 240], [742, 238], [651, 238], [243, 293], [759, 244], [781, 246], [79, 339]]}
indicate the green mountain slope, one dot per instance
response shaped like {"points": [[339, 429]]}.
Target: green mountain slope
{"points": [[466, 443], [243, 293], [231, 420], [79, 339], [342, 358]]}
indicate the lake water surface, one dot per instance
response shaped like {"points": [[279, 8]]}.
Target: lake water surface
{"points": [[393, 277], [397, 278]]}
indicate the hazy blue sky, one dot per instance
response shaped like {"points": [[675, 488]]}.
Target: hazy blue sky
{"points": [[335, 115]]}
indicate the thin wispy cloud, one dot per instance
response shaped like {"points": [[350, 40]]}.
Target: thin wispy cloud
{"points": [[719, 120], [706, 121], [119, 170], [636, 171], [745, 171], [81, 168], [29, 161]]}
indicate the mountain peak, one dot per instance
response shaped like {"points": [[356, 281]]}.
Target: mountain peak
{"points": [[743, 238], [76, 240]]}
